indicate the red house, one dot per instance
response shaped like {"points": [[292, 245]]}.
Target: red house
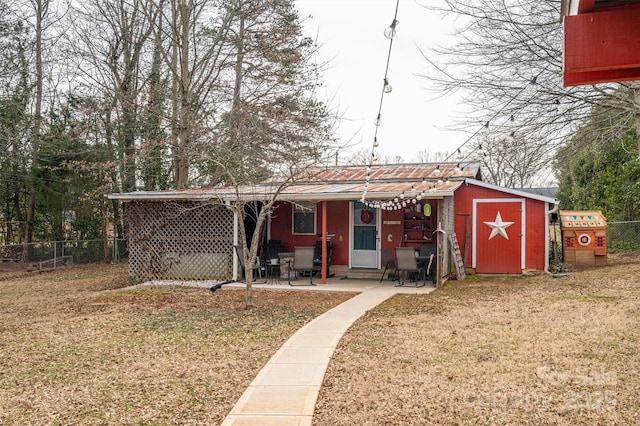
{"points": [[498, 230]]}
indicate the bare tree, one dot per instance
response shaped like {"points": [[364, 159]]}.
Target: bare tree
{"points": [[274, 126], [426, 156], [193, 33], [507, 64]]}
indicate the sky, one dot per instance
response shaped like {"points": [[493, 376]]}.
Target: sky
{"points": [[351, 35]]}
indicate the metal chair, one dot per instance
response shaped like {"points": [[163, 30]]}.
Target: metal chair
{"points": [[407, 264], [302, 262], [389, 263], [256, 268]]}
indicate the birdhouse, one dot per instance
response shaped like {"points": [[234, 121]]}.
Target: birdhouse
{"points": [[584, 237]]}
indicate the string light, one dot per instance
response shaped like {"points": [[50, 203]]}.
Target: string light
{"points": [[390, 31], [400, 201], [387, 86]]}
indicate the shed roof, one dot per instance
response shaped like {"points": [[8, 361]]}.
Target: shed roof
{"points": [[334, 183]]}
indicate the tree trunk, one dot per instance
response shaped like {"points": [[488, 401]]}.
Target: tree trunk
{"points": [[41, 7], [103, 225]]}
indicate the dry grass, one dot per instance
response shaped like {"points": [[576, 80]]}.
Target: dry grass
{"points": [[78, 348], [523, 350]]}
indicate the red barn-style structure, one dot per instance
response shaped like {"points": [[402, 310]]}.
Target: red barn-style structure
{"points": [[503, 231], [443, 208]]}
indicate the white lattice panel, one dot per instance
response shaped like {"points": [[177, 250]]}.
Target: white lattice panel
{"points": [[181, 241]]}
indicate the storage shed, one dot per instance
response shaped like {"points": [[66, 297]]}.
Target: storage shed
{"points": [[584, 237]]}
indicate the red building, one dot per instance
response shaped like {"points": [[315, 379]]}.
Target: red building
{"points": [[498, 230]]}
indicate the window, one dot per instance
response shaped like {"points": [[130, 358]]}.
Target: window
{"points": [[304, 218]]}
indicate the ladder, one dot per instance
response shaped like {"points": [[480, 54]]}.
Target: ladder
{"points": [[461, 272]]}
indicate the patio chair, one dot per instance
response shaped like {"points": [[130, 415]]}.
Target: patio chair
{"points": [[257, 268], [302, 262], [273, 249], [429, 252], [389, 263], [407, 266], [317, 257]]}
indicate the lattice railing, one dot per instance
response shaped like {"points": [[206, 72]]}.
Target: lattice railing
{"points": [[180, 241]]}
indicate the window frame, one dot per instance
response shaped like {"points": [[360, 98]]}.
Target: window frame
{"points": [[304, 208]]}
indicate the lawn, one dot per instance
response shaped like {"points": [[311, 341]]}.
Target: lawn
{"points": [[509, 350], [77, 347]]}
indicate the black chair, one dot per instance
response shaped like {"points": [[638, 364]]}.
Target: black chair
{"points": [[429, 255], [317, 256], [271, 257], [407, 266], [302, 262], [389, 264], [257, 268], [273, 248]]}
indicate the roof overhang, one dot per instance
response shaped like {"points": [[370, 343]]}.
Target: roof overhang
{"points": [[297, 192], [510, 191], [378, 182]]}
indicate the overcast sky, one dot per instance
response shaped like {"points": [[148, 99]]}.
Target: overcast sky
{"points": [[351, 35]]}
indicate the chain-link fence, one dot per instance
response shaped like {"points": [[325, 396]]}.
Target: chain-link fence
{"points": [[623, 235], [80, 251]]}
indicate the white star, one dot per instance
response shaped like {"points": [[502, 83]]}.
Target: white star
{"points": [[498, 227]]}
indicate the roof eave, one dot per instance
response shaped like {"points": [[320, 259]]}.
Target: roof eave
{"points": [[512, 191]]}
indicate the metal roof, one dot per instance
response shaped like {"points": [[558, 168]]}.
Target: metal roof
{"points": [[334, 183]]}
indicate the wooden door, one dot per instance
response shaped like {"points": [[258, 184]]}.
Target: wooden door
{"points": [[499, 236]]}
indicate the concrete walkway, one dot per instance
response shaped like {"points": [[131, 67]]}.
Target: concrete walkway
{"points": [[286, 389]]}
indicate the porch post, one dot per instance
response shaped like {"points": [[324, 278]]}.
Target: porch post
{"points": [[324, 242]]}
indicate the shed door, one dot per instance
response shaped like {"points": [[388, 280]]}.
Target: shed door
{"points": [[499, 236]]}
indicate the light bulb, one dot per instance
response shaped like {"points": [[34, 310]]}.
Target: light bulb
{"points": [[387, 86], [511, 137], [377, 121], [375, 142], [390, 31]]}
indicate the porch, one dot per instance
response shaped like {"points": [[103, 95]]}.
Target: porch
{"points": [[348, 284]]}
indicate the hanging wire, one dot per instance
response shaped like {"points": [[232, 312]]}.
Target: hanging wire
{"points": [[395, 203], [385, 89]]}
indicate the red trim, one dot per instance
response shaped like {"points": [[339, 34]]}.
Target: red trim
{"points": [[586, 6]]}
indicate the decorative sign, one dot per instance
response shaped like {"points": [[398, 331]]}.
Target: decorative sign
{"points": [[498, 227], [584, 239], [366, 216]]}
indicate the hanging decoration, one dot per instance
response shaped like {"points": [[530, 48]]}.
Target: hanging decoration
{"points": [[366, 216]]}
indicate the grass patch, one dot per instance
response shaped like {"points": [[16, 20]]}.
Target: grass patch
{"points": [[505, 350], [78, 347]]}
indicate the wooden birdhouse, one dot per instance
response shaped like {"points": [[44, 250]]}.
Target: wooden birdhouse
{"points": [[584, 237]]}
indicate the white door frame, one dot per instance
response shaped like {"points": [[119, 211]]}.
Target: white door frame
{"points": [[523, 223], [376, 263]]}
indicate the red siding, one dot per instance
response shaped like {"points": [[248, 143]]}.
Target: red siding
{"points": [[601, 47], [337, 223], [534, 226]]}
